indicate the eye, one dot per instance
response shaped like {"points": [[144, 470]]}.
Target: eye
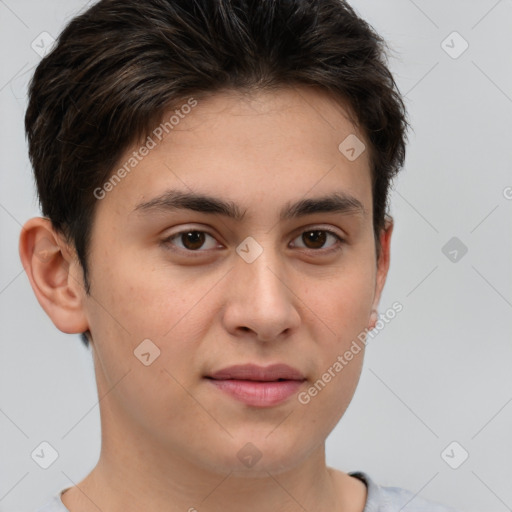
{"points": [[191, 240], [315, 239]]}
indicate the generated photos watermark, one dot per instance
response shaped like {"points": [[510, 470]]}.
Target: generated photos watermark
{"points": [[305, 397], [151, 142]]}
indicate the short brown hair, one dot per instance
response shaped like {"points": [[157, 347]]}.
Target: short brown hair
{"points": [[119, 66]]}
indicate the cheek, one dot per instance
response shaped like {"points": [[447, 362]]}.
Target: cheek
{"points": [[343, 308], [329, 394], [343, 304], [130, 307], [143, 301]]}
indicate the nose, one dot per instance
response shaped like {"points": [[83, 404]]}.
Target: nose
{"points": [[260, 298]]}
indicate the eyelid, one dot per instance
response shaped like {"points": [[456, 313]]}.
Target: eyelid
{"points": [[167, 241], [341, 239], [322, 227]]}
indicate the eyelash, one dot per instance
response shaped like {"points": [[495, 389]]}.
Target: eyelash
{"points": [[336, 247]]}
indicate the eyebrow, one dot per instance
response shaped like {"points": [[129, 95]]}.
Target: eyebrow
{"points": [[337, 202]]}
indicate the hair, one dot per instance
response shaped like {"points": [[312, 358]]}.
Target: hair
{"points": [[117, 68]]}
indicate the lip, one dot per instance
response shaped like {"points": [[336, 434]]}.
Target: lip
{"points": [[254, 372], [258, 386]]}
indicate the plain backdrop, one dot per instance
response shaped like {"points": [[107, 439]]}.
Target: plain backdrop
{"points": [[437, 382]]}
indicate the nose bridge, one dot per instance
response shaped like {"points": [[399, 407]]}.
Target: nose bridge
{"points": [[260, 269], [262, 300]]}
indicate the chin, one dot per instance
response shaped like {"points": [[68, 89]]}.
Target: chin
{"points": [[257, 456]]}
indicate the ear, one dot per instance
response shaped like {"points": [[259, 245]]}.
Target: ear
{"points": [[55, 275], [382, 267]]}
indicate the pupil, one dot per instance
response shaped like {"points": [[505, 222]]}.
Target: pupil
{"points": [[315, 238], [195, 237]]}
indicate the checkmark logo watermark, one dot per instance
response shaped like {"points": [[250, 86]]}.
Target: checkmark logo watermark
{"points": [[249, 455], [352, 147], [146, 352], [43, 43], [454, 45], [454, 455], [454, 249], [44, 455], [249, 250]]}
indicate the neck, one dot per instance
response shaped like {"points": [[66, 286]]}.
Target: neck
{"points": [[145, 478]]}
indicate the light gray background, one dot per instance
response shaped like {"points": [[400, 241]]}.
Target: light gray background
{"points": [[439, 372]]}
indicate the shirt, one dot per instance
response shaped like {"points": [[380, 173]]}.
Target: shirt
{"points": [[379, 499]]}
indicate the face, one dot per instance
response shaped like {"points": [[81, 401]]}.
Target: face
{"points": [[246, 278]]}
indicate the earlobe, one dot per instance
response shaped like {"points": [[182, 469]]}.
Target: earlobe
{"points": [[54, 275], [374, 316]]}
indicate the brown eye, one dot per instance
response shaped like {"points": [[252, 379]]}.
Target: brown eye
{"points": [[191, 240], [315, 239]]}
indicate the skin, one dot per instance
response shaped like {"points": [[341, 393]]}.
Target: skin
{"points": [[169, 438]]}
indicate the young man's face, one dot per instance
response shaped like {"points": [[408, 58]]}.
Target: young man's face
{"points": [[259, 290]]}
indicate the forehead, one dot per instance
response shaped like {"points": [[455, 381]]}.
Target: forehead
{"points": [[295, 114], [256, 148]]}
